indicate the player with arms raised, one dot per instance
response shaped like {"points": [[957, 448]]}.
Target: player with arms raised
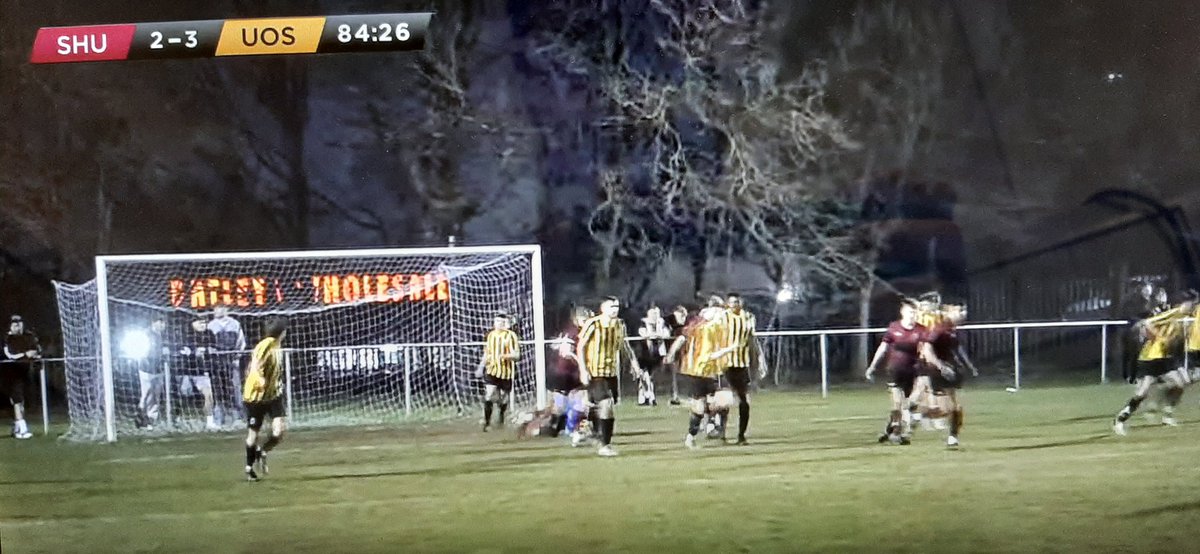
{"points": [[498, 366], [901, 344], [262, 395], [601, 345]]}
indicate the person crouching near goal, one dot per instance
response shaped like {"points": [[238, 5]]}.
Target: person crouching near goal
{"points": [[901, 344], [262, 396], [497, 367], [601, 346], [1157, 366], [944, 352]]}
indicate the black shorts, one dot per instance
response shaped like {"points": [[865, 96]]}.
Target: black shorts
{"points": [[563, 382], [13, 380], [940, 382], [1193, 358], [739, 379], [650, 365], [258, 412], [699, 387], [602, 388], [1156, 368], [902, 378], [505, 385]]}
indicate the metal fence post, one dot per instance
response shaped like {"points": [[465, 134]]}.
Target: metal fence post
{"points": [[1104, 353], [287, 383], [45, 400], [824, 365], [1017, 358]]}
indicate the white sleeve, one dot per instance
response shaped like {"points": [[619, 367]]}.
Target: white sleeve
{"points": [[241, 344]]}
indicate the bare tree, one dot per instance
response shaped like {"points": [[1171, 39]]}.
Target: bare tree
{"points": [[715, 146]]}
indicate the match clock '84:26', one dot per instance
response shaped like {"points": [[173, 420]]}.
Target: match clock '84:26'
{"points": [[376, 32], [383, 32]]}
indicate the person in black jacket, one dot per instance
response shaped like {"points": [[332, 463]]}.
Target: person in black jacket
{"points": [[21, 348]]}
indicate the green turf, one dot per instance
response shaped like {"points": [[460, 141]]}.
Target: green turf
{"points": [[1039, 471]]}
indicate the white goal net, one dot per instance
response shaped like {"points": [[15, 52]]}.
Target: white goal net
{"points": [[156, 344]]}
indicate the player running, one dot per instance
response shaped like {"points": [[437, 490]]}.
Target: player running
{"points": [[651, 350], [498, 366], [601, 345], [262, 395], [901, 344], [1156, 363]]}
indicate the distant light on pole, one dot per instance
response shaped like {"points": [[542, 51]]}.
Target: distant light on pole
{"points": [[785, 295]]}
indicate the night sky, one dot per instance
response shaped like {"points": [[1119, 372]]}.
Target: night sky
{"points": [[982, 128]]}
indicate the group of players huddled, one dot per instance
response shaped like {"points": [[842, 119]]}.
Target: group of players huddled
{"points": [[925, 365], [717, 342]]}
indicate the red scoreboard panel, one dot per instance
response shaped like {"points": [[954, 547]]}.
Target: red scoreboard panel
{"points": [[232, 37]]}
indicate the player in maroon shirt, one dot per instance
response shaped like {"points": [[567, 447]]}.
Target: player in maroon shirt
{"points": [[901, 346], [563, 378], [945, 352]]}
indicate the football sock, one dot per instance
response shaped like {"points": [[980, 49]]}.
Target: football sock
{"points": [[503, 409], [251, 455], [572, 420], [956, 420], [606, 429], [1129, 408], [487, 412], [743, 418], [694, 424], [271, 442], [1171, 397]]}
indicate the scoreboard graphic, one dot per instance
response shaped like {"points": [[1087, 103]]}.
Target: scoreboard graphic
{"points": [[231, 37]]}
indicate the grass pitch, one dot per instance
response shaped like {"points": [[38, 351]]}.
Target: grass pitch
{"points": [[1038, 471]]}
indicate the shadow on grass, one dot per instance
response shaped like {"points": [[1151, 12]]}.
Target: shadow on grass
{"points": [[1166, 509], [1073, 442]]}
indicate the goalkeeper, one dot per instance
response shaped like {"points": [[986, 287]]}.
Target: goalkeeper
{"points": [[262, 395], [498, 366]]}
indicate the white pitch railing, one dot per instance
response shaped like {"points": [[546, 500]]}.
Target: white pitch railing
{"points": [[824, 335]]}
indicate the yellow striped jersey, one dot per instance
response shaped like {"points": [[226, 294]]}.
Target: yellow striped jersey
{"points": [[264, 378], [702, 340], [1193, 337], [501, 342], [1164, 330], [741, 335], [601, 352], [929, 319]]}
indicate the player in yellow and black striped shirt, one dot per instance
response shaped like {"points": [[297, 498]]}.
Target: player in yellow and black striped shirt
{"points": [[700, 362], [262, 394], [1156, 361], [498, 367], [742, 353], [600, 349]]}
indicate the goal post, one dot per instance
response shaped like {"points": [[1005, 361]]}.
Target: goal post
{"points": [[376, 335]]}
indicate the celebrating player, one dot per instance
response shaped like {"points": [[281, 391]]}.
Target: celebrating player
{"points": [[262, 395], [945, 352], [651, 351], [901, 344], [498, 366], [700, 365], [743, 353], [1156, 362], [601, 346]]}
